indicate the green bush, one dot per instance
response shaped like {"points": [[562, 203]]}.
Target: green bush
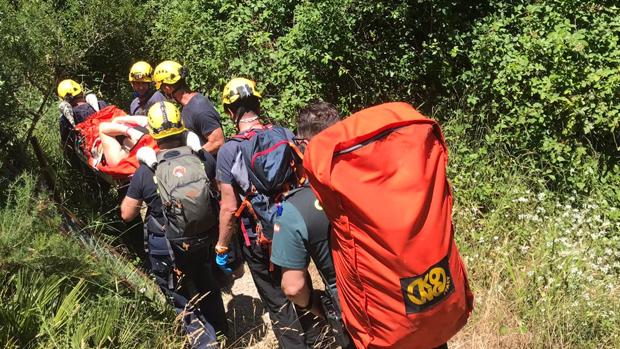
{"points": [[543, 264], [57, 295], [352, 53], [543, 82]]}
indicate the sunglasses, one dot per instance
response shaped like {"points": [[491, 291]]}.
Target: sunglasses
{"points": [[300, 142]]}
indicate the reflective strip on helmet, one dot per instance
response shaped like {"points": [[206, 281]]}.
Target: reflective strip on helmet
{"points": [[166, 123]]}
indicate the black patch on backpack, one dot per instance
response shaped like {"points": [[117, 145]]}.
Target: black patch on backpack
{"points": [[431, 287]]}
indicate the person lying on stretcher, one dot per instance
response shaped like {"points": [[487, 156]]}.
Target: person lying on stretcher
{"points": [[119, 136]]}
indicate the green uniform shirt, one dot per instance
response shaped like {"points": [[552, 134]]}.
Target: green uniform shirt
{"points": [[294, 244]]}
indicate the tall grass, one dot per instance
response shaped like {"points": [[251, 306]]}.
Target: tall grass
{"points": [[56, 294], [544, 265]]}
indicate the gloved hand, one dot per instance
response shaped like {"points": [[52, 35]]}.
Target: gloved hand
{"points": [[91, 99], [222, 262], [67, 111]]}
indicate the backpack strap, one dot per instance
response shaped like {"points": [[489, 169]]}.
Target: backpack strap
{"points": [[181, 151], [246, 204], [151, 225], [240, 137], [262, 239]]}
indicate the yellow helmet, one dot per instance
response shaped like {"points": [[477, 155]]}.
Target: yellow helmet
{"points": [[141, 71], [168, 72], [164, 120], [69, 88], [239, 88]]}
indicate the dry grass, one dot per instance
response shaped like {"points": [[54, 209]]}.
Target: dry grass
{"points": [[494, 323]]}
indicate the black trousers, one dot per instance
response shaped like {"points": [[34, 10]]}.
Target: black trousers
{"points": [[291, 330], [196, 281]]}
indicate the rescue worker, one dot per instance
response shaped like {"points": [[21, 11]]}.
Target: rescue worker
{"points": [[242, 103], [74, 110], [141, 80], [183, 275], [198, 113], [302, 233], [72, 93]]}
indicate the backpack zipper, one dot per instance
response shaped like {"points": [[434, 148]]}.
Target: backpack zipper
{"points": [[369, 140], [266, 151]]}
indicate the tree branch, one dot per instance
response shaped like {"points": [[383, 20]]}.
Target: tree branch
{"points": [[36, 116]]}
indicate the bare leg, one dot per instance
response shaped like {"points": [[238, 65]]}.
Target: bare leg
{"points": [[114, 151]]}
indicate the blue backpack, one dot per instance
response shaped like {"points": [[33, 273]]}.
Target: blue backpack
{"points": [[269, 159]]}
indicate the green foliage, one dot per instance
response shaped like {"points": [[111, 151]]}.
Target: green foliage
{"points": [[89, 41], [552, 258], [352, 53], [544, 82], [56, 295]]}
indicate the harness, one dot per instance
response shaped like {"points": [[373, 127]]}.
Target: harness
{"points": [[262, 239]]}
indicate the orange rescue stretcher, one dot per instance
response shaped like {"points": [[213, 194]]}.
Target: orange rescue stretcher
{"points": [[88, 147]]}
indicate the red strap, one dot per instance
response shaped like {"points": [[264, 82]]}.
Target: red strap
{"points": [[245, 233], [244, 136], [252, 132], [271, 266], [266, 151]]}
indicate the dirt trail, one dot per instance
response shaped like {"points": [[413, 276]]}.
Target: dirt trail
{"points": [[250, 321]]}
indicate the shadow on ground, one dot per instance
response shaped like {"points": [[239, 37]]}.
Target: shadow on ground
{"points": [[244, 314]]}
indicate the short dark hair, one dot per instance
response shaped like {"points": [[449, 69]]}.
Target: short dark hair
{"points": [[181, 84], [244, 105], [173, 141], [315, 117]]}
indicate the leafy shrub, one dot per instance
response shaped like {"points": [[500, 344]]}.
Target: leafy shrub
{"points": [[542, 264], [352, 53], [55, 294], [544, 80]]}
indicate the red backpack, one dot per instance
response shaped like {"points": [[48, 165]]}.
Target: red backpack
{"points": [[381, 178]]}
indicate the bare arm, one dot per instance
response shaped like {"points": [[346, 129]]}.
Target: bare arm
{"points": [[228, 207], [296, 289], [130, 208], [294, 286], [214, 141]]}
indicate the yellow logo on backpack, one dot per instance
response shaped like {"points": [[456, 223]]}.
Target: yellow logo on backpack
{"points": [[423, 291]]}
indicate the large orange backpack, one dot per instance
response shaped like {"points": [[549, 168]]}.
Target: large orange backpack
{"points": [[381, 178]]}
